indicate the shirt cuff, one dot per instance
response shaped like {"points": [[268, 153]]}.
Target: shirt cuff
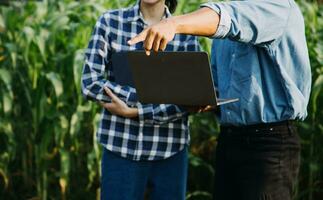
{"points": [[225, 20]]}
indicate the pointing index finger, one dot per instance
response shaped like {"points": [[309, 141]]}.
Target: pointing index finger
{"points": [[138, 38]]}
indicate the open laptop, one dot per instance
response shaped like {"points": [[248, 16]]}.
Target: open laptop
{"points": [[181, 78]]}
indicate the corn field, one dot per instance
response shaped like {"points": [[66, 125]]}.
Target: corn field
{"points": [[48, 148]]}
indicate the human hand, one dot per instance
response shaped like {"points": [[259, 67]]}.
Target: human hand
{"points": [[199, 109], [117, 106], [208, 108], [157, 36]]}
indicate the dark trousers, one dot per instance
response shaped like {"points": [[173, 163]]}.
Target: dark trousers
{"points": [[124, 179], [258, 162]]}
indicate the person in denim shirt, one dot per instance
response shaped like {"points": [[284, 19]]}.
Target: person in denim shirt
{"points": [[259, 55]]}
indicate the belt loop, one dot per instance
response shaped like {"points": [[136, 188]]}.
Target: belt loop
{"points": [[229, 132], [289, 125]]}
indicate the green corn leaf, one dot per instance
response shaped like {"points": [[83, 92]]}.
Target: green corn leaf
{"points": [[61, 129], [76, 121], [4, 175], [41, 42], [65, 164], [7, 102], [96, 145], [6, 127], [65, 170], [57, 83], [2, 23], [7, 94], [72, 5], [92, 166], [5, 76], [59, 22], [29, 33], [317, 87], [41, 10], [12, 49], [77, 69], [319, 52], [62, 22]]}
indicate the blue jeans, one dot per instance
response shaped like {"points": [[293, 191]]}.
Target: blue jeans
{"points": [[124, 179]]}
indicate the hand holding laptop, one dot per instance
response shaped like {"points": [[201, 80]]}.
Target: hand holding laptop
{"points": [[117, 106], [199, 109], [180, 78], [120, 108]]}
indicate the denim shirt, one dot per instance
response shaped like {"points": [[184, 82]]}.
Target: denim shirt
{"points": [[260, 56]]}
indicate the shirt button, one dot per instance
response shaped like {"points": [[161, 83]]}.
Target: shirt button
{"points": [[233, 55]]}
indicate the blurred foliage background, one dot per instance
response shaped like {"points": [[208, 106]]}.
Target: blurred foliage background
{"points": [[47, 131]]}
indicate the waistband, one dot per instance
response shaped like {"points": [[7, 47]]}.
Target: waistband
{"points": [[274, 127]]}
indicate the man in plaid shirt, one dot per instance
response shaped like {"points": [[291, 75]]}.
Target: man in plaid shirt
{"points": [[128, 130]]}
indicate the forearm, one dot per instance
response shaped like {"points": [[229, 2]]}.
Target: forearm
{"points": [[254, 22], [94, 90], [203, 22], [132, 112]]}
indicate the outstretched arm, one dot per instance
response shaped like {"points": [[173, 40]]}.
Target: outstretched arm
{"points": [[202, 22], [255, 22]]}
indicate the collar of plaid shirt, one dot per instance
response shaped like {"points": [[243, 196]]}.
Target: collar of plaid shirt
{"points": [[136, 14]]}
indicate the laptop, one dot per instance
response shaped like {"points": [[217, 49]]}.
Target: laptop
{"points": [[181, 78]]}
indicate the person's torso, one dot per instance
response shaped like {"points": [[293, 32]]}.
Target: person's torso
{"points": [[131, 138], [272, 82]]}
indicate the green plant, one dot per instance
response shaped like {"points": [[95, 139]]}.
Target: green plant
{"points": [[47, 131], [311, 131], [45, 125]]}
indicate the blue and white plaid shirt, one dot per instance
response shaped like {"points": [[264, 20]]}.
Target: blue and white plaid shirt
{"points": [[161, 130]]}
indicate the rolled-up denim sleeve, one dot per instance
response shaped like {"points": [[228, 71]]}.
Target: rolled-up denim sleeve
{"points": [[255, 22], [225, 20]]}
